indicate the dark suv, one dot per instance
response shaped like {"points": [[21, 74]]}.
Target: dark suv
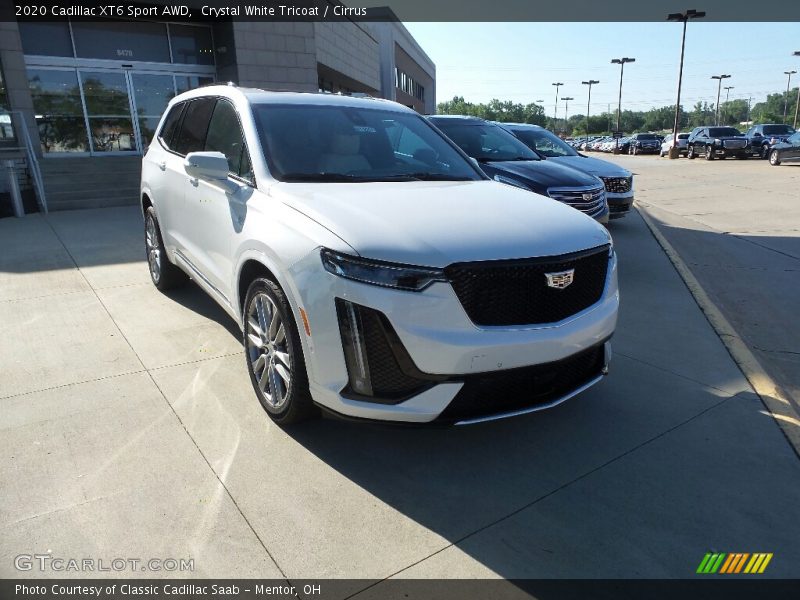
{"points": [[644, 143], [506, 159], [717, 142], [762, 138]]}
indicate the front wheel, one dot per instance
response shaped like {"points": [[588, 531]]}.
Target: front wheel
{"points": [[274, 354], [163, 273], [774, 158], [709, 153], [690, 152]]}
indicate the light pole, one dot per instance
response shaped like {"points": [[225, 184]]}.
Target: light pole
{"points": [[797, 104], [555, 110], [719, 79], [786, 100], [621, 62], [681, 18], [590, 83], [728, 89], [566, 100]]}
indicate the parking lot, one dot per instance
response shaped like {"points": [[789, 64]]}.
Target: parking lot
{"points": [[130, 428]]}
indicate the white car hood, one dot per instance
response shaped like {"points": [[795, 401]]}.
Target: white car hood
{"points": [[439, 223]]}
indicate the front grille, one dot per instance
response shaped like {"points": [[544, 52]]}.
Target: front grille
{"points": [[593, 202], [617, 185], [515, 292], [526, 387], [734, 144]]}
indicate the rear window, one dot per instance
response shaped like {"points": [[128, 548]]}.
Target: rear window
{"points": [[683, 136], [646, 136], [192, 135]]}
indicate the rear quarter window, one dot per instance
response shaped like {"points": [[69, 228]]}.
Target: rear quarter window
{"points": [[171, 124]]}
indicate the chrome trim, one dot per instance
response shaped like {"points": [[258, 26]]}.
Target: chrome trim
{"points": [[539, 407]]}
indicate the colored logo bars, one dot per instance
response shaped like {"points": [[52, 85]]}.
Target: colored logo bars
{"points": [[720, 562]]}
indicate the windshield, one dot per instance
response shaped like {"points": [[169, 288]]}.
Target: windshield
{"points": [[544, 142], [484, 141], [723, 131], [778, 130], [354, 144]]}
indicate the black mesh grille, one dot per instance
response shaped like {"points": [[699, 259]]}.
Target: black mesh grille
{"points": [[617, 185], [515, 292], [517, 389]]}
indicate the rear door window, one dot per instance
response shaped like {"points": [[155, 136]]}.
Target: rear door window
{"points": [[192, 135]]}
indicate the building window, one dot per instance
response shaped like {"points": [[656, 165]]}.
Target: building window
{"points": [[406, 84], [148, 41], [59, 114], [7, 137]]}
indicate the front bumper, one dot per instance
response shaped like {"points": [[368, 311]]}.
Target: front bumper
{"points": [[445, 346]]}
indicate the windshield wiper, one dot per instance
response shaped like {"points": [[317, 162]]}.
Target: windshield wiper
{"points": [[485, 159]]}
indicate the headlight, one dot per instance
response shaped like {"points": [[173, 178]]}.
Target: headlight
{"points": [[718, 142], [401, 277], [510, 181]]}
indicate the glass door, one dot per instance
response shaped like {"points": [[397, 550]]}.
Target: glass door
{"points": [[108, 111], [151, 94]]}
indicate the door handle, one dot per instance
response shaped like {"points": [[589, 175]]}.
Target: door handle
{"points": [[162, 165]]}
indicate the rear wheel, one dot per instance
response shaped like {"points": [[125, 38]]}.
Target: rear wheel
{"points": [[765, 153], [709, 153], [690, 152], [774, 158], [274, 354], [163, 273]]}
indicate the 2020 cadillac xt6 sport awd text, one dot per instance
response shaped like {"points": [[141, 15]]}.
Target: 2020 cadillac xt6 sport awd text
{"points": [[375, 271]]}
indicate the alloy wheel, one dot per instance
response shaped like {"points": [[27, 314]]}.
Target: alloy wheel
{"points": [[153, 249], [268, 351]]}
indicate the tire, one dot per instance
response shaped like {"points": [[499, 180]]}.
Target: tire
{"points": [[274, 355], [709, 153], [765, 153], [690, 152], [774, 158], [635, 151], [163, 273]]}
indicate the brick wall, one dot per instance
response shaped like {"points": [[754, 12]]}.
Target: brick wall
{"points": [[276, 56], [352, 51]]}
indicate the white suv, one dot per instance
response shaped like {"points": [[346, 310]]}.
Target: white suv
{"points": [[375, 271]]}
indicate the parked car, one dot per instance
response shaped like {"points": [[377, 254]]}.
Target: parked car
{"points": [[644, 143], [788, 150], [668, 143], [506, 159], [374, 270], [717, 142], [618, 181], [762, 138]]}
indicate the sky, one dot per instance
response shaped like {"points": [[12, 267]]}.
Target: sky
{"points": [[520, 61]]}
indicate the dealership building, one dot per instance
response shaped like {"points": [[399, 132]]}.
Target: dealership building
{"points": [[79, 100]]}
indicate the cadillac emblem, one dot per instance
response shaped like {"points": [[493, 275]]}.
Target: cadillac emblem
{"points": [[561, 279]]}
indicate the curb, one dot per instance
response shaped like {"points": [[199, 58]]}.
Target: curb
{"points": [[775, 400]]}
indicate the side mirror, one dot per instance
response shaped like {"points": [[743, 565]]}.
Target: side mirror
{"points": [[210, 166]]}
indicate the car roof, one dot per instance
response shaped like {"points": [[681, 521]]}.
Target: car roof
{"points": [[261, 96], [523, 125]]}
